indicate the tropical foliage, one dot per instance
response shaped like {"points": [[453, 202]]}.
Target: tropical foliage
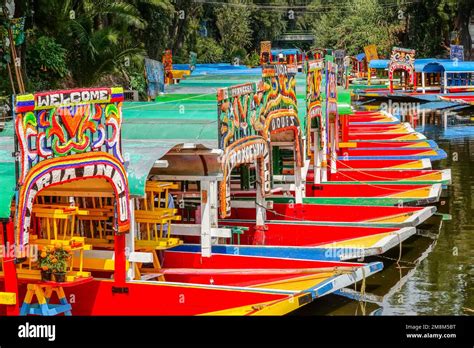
{"points": [[92, 42]]}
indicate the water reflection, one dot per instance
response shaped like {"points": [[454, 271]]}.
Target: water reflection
{"points": [[435, 275]]}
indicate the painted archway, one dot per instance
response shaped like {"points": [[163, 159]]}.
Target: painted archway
{"points": [[57, 171], [314, 77], [247, 150], [279, 106], [402, 59], [64, 136]]}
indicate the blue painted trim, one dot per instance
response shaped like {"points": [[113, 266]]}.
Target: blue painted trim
{"points": [[284, 252]]}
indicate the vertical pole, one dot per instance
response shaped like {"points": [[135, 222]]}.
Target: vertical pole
{"points": [[205, 219], [7, 239], [259, 236], [120, 259], [260, 199], [324, 157], [423, 83], [130, 239], [333, 147], [213, 199], [298, 184], [445, 82], [316, 158]]}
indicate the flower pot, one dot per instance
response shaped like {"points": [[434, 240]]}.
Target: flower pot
{"points": [[46, 276], [60, 277]]}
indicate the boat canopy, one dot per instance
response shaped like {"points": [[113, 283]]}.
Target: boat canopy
{"points": [[145, 140], [379, 63], [449, 66], [286, 51], [429, 65], [7, 175], [360, 57]]}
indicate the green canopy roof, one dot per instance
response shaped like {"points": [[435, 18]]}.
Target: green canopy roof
{"points": [[151, 129], [7, 175]]}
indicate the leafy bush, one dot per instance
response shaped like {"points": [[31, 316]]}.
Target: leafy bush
{"points": [[252, 59], [46, 62], [208, 50]]}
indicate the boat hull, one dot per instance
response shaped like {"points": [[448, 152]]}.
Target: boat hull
{"points": [[375, 216], [388, 164], [419, 177]]}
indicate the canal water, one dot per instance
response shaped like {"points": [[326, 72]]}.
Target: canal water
{"points": [[434, 273]]}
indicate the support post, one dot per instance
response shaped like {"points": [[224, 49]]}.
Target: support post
{"points": [[445, 83], [316, 158], [333, 148], [9, 270], [324, 159], [299, 185], [214, 202], [120, 261], [205, 219], [259, 236], [260, 200], [130, 240], [423, 83]]}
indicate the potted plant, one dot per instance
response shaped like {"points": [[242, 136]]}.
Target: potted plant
{"points": [[60, 257], [45, 263]]}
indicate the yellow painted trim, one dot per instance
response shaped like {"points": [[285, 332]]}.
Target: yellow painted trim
{"points": [[279, 307], [423, 192], [362, 242], [410, 165], [7, 298], [393, 219], [348, 144], [297, 284]]}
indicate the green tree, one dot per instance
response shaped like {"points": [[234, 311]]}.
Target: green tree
{"points": [[267, 22], [355, 25], [208, 50], [233, 23]]}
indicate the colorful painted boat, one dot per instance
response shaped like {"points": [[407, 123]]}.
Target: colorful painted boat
{"points": [[377, 117], [376, 216], [219, 285], [393, 153], [424, 144], [400, 128], [386, 137], [364, 194], [310, 242], [420, 177], [91, 189], [391, 164]]}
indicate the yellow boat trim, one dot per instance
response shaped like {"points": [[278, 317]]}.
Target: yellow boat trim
{"points": [[428, 153], [297, 284], [410, 165], [436, 176], [411, 136], [393, 219], [423, 192], [361, 242], [279, 307], [419, 144]]}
